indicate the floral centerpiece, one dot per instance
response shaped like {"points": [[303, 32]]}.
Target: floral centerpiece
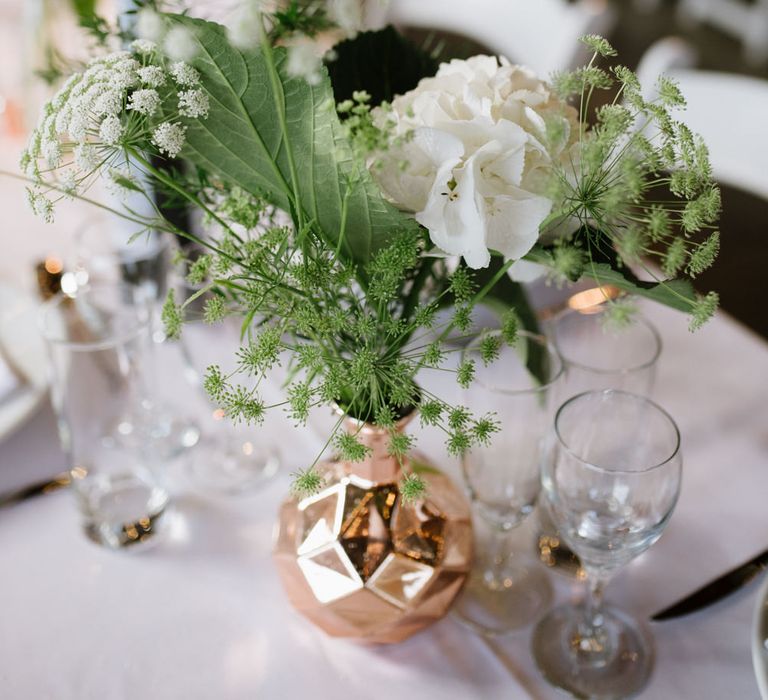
{"points": [[360, 203]]}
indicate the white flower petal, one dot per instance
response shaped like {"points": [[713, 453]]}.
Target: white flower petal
{"points": [[525, 271], [514, 221]]}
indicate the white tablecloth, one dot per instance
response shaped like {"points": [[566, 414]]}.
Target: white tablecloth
{"points": [[203, 615]]}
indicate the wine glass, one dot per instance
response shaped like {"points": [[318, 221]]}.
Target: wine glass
{"points": [[597, 354], [504, 481], [611, 477], [600, 354]]}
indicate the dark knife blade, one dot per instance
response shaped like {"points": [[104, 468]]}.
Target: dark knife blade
{"points": [[716, 590], [40, 488]]}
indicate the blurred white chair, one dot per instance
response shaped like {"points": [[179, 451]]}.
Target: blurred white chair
{"points": [[542, 34], [746, 21], [727, 109]]}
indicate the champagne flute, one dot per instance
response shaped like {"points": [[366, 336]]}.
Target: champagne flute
{"points": [[611, 477]]}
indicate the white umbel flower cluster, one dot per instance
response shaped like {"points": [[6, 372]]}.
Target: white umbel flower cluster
{"points": [[472, 151], [194, 103], [169, 138], [99, 115]]}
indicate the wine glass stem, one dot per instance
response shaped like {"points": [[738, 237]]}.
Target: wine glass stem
{"points": [[496, 571], [591, 641]]}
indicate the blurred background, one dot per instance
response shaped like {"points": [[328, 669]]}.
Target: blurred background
{"points": [[716, 49]]}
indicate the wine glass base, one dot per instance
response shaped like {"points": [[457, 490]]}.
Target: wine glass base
{"points": [[620, 674], [222, 468], [505, 605]]}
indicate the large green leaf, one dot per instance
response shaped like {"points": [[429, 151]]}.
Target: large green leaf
{"points": [[677, 294], [508, 295], [280, 138]]}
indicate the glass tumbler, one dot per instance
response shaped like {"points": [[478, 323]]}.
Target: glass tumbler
{"points": [[99, 345], [503, 478], [597, 355], [611, 477]]}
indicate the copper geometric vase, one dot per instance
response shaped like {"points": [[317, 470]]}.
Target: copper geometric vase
{"points": [[361, 564]]}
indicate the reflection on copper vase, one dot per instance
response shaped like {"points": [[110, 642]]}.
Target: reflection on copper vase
{"points": [[361, 564]]}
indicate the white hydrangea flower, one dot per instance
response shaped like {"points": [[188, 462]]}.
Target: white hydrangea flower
{"points": [[180, 44], [193, 103], [110, 130], [154, 76], [110, 101], [473, 140], [169, 138], [144, 101], [143, 47], [184, 74], [304, 62], [149, 25]]}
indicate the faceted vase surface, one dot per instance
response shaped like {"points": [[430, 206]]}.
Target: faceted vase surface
{"points": [[360, 563]]}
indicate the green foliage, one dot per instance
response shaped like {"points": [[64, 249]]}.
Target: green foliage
{"points": [[290, 152], [172, 316], [635, 149], [307, 482], [413, 488]]}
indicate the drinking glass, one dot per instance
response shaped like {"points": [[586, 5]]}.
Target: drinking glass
{"points": [[503, 480], [611, 478], [597, 355], [99, 342], [102, 257], [229, 460]]}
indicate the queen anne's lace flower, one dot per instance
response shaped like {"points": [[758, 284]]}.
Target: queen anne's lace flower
{"points": [[40, 205], [153, 76], [184, 74], [51, 149], [78, 127], [475, 141], [68, 182], [101, 114], [110, 130], [193, 103], [144, 101], [143, 47], [86, 157], [110, 101], [169, 138]]}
